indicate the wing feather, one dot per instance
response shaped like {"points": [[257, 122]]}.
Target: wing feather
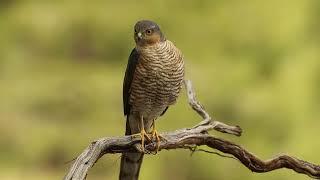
{"points": [[131, 67]]}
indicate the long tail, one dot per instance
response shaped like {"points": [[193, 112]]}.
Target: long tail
{"points": [[130, 162]]}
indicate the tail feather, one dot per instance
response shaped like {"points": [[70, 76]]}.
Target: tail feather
{"points": [[130, 162], [130, 166]]}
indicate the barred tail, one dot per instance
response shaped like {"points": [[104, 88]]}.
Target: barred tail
{"points": [[130, 166], [130, 162]]}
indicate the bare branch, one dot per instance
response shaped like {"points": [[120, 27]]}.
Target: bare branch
{"points": [[183, 139], [216, 125], [186, 139]]}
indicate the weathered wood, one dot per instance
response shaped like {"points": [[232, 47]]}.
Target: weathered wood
{"points": [[187, 139]]}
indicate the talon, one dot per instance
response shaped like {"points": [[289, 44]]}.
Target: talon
{"points": [[142, 135], [157, 136]]}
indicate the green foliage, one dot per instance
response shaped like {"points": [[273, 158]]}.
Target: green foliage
{"points": [[253, 63]]}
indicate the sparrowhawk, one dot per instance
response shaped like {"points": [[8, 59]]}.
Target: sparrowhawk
{"points": [[152, 82]]}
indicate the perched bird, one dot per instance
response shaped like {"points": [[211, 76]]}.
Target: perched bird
{"points": [[152, 82]]}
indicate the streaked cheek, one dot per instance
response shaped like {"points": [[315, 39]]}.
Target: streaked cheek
{"points": [[153, 39]]}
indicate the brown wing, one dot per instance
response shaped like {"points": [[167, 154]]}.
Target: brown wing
{"points": [[131, 66], [164, 111]]}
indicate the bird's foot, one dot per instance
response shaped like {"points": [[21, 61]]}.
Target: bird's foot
{"points": [[144, 136], [155, 134]]}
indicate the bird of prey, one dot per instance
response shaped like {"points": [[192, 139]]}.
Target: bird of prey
{"points": [[152, 82]]}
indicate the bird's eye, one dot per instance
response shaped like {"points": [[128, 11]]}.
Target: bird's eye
{"points": [[135, 31], [149, 31]]}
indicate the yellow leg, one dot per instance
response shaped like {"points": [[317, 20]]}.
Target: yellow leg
{"points": [[156, 135], [142, 134]]}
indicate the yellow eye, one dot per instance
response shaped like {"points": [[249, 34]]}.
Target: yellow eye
{"points": [[149, 31]]}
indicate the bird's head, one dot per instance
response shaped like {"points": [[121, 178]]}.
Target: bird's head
{"points": [[147, 33]]}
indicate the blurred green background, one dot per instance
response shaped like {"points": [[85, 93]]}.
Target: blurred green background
{"points": [[253, 63]]}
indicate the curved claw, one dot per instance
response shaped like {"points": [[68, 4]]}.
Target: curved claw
{"points": [[144, 136], [158, 137]]}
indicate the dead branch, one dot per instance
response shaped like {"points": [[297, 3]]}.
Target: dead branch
{"points": [[188, 138]]}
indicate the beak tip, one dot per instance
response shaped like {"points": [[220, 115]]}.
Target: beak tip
{"points": [[140, 35]]}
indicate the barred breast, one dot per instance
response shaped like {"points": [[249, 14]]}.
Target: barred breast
{"points": [[157, 80]]}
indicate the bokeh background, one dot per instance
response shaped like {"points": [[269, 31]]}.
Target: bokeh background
{"points": [[253, 63]]}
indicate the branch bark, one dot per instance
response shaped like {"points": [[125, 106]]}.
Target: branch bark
{"points": [[189, 138]]}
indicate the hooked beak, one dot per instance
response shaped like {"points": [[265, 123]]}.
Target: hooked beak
{"points": [[139, 35]]}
